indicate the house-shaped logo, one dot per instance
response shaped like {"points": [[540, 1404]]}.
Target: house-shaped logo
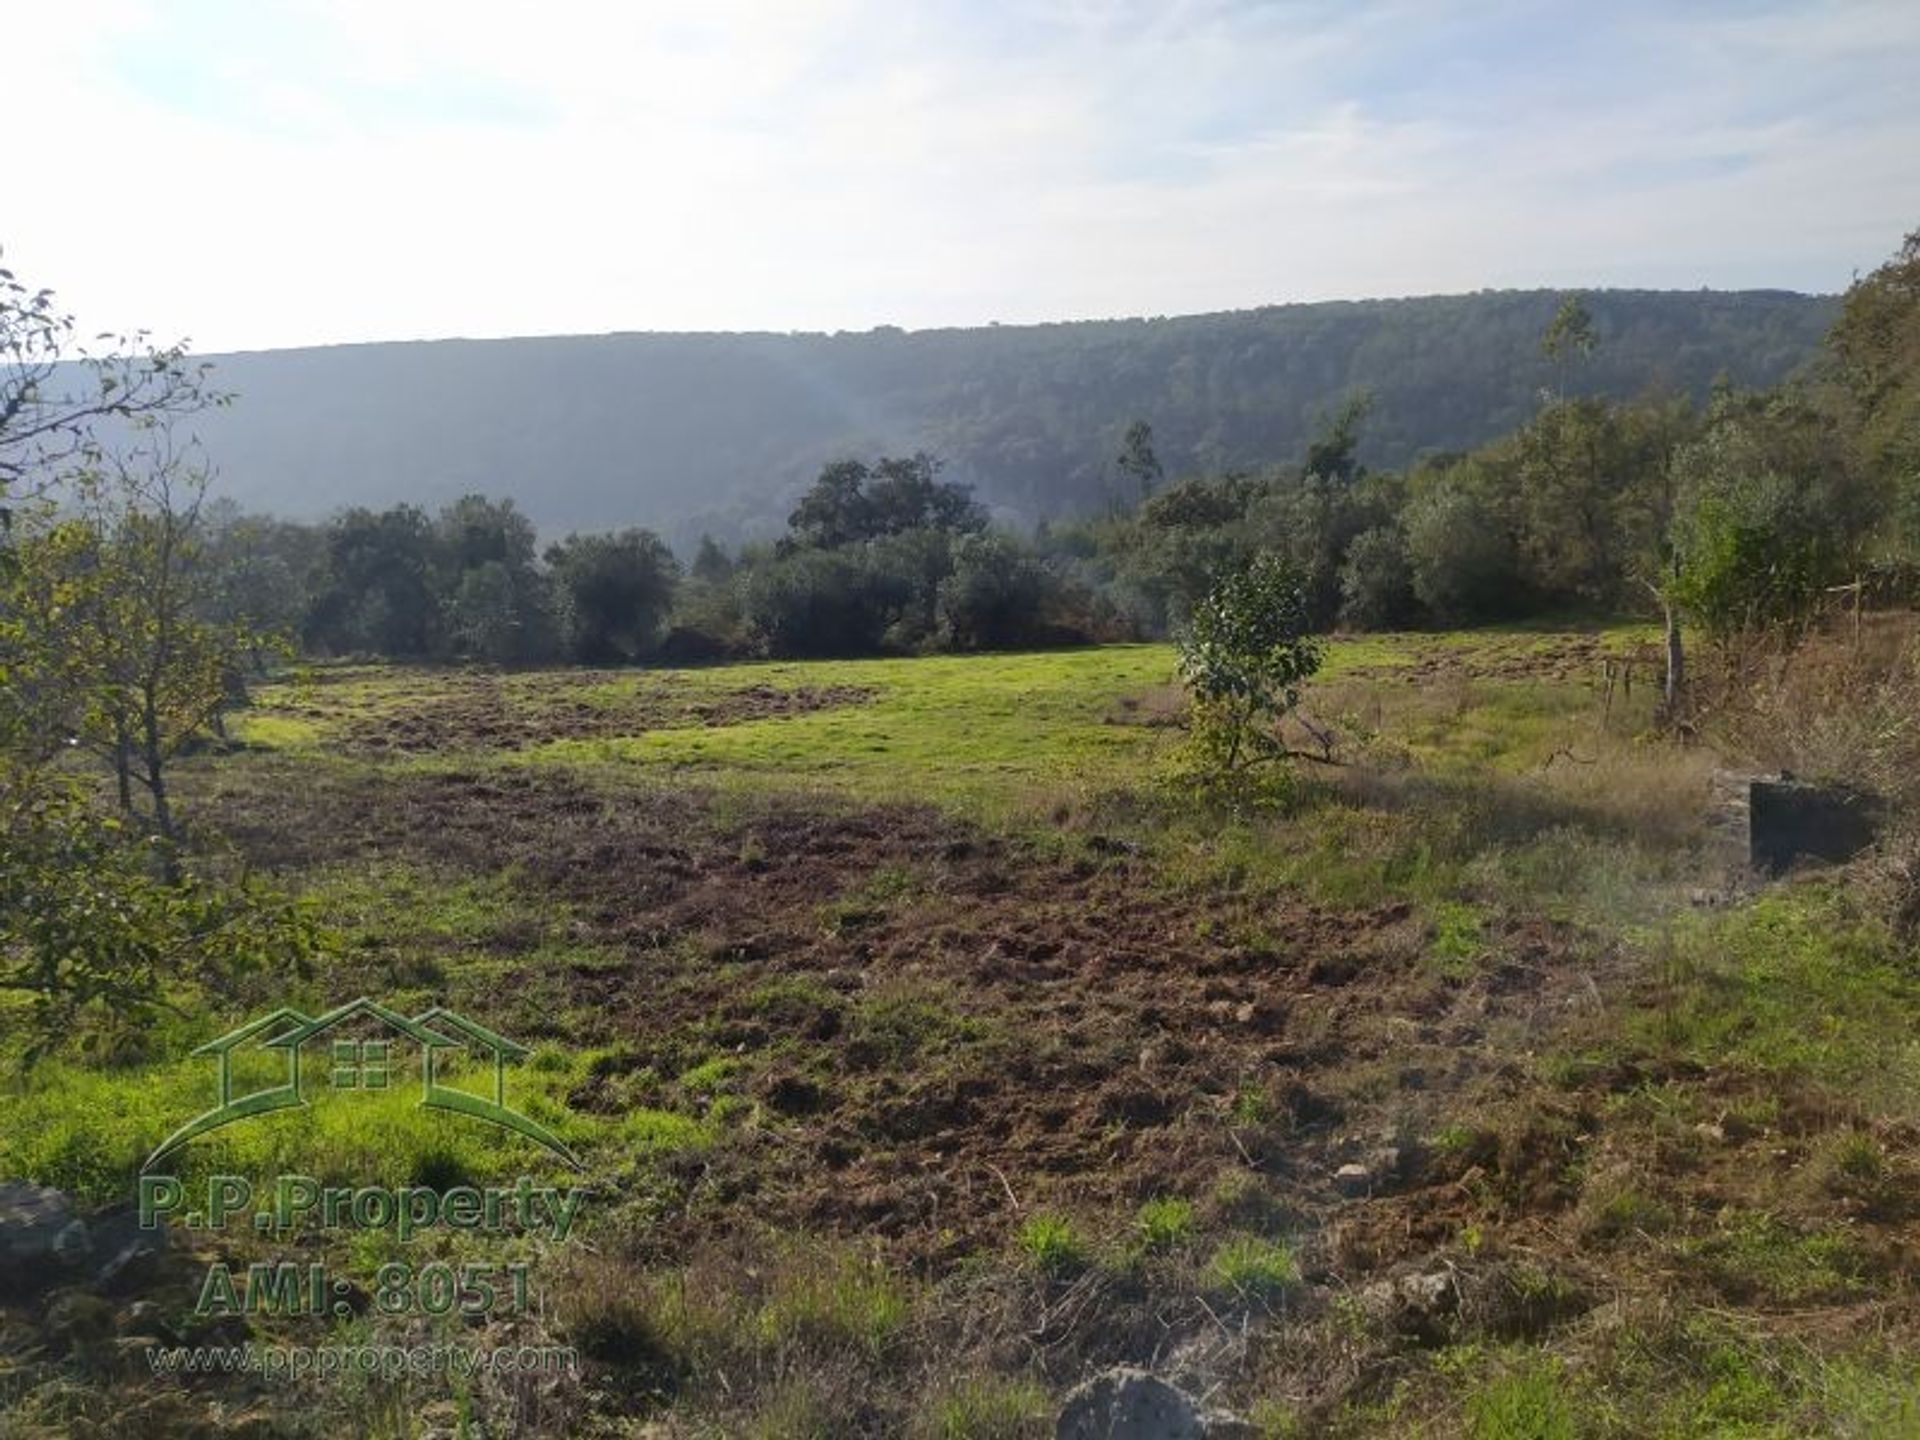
{"points": [[362, 1045]]}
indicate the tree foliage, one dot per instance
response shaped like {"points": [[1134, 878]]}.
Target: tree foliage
{"points": [[112, 642], [60, 402], [1246, 651], [98, 929], [613, 593], [721, 433], [1766, 518], [1876, 350]]}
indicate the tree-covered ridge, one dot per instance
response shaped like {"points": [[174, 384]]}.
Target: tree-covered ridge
{"points": [[689, 433]]}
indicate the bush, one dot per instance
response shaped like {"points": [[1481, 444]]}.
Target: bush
{"points": [[996, 596], [1244, 656], [1376, 582], [613, 592], [823, 603], [1463, 563]]}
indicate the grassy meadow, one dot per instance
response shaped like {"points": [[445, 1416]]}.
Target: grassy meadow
{"points": [[933, 1037]]}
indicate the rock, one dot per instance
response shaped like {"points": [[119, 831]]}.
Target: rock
{"points": [[1788, 819], [1353, 1179], [74, 1244], [40, 1236], [128, 1256], [1128, 1404], [130, 1351], [145, 1320], [77, 1318], [1420, 1305]]}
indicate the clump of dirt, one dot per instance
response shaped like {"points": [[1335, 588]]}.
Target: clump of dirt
{"points": [[491, 712]]}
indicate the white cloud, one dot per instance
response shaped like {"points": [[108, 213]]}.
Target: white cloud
{"points": [[326, 170]]}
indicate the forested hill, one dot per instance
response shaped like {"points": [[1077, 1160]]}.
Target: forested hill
{"points": [[685, 432]]}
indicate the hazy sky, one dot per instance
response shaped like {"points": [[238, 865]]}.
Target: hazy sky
{"points": [[256, 173]]}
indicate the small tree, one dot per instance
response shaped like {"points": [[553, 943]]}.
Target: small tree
{"points": [[114, 599], [1376, 582], [54, 395], [996, 595], [108, 637], [93, 942], [1462, 558], [1569, 336], [1138, 460], [1767, 515], [613, 592], [1244, 656]]}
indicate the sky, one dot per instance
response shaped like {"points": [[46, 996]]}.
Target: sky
{"points": [[263, 173]]}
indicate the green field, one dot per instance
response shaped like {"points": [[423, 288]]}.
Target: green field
{"points": [[931, 1038]]}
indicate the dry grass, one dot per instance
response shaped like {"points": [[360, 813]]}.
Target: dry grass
{"points": [[1843, 705]]}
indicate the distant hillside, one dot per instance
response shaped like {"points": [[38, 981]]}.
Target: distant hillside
{"points": [[691, 432]]}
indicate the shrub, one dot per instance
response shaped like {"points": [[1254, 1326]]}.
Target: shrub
{"points": [[996, 596], [1463, 563], [1244, 656], [824, 602], [1376, 582]]}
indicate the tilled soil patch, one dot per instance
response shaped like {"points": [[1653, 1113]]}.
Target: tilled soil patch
{"points": [[1558, 658], [489, 712], [990, 1029]]}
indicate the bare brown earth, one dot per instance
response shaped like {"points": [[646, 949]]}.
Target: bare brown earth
{"points": [[997, 1027], [1556, 657], [914, 1034], [491, 712]]}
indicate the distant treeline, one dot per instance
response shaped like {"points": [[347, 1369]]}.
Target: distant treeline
{"points": [[687, 434], [1739, 510], [878, 559]]}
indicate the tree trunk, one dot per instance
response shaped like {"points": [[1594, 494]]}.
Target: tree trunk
{"points": [[123, 766], [154, 760], [1676, 667]]}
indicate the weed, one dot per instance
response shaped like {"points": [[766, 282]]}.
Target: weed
{"points": [[1752, 1255], [1529, 1402], [1051, 1242], [897, 1024], [988, 1408], [1857, 1157], [832, 1299], [1457, 936], [607, 1310], [1617, 1206], [1276, 1420], [1253, 1268], [1164, 1222]]}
